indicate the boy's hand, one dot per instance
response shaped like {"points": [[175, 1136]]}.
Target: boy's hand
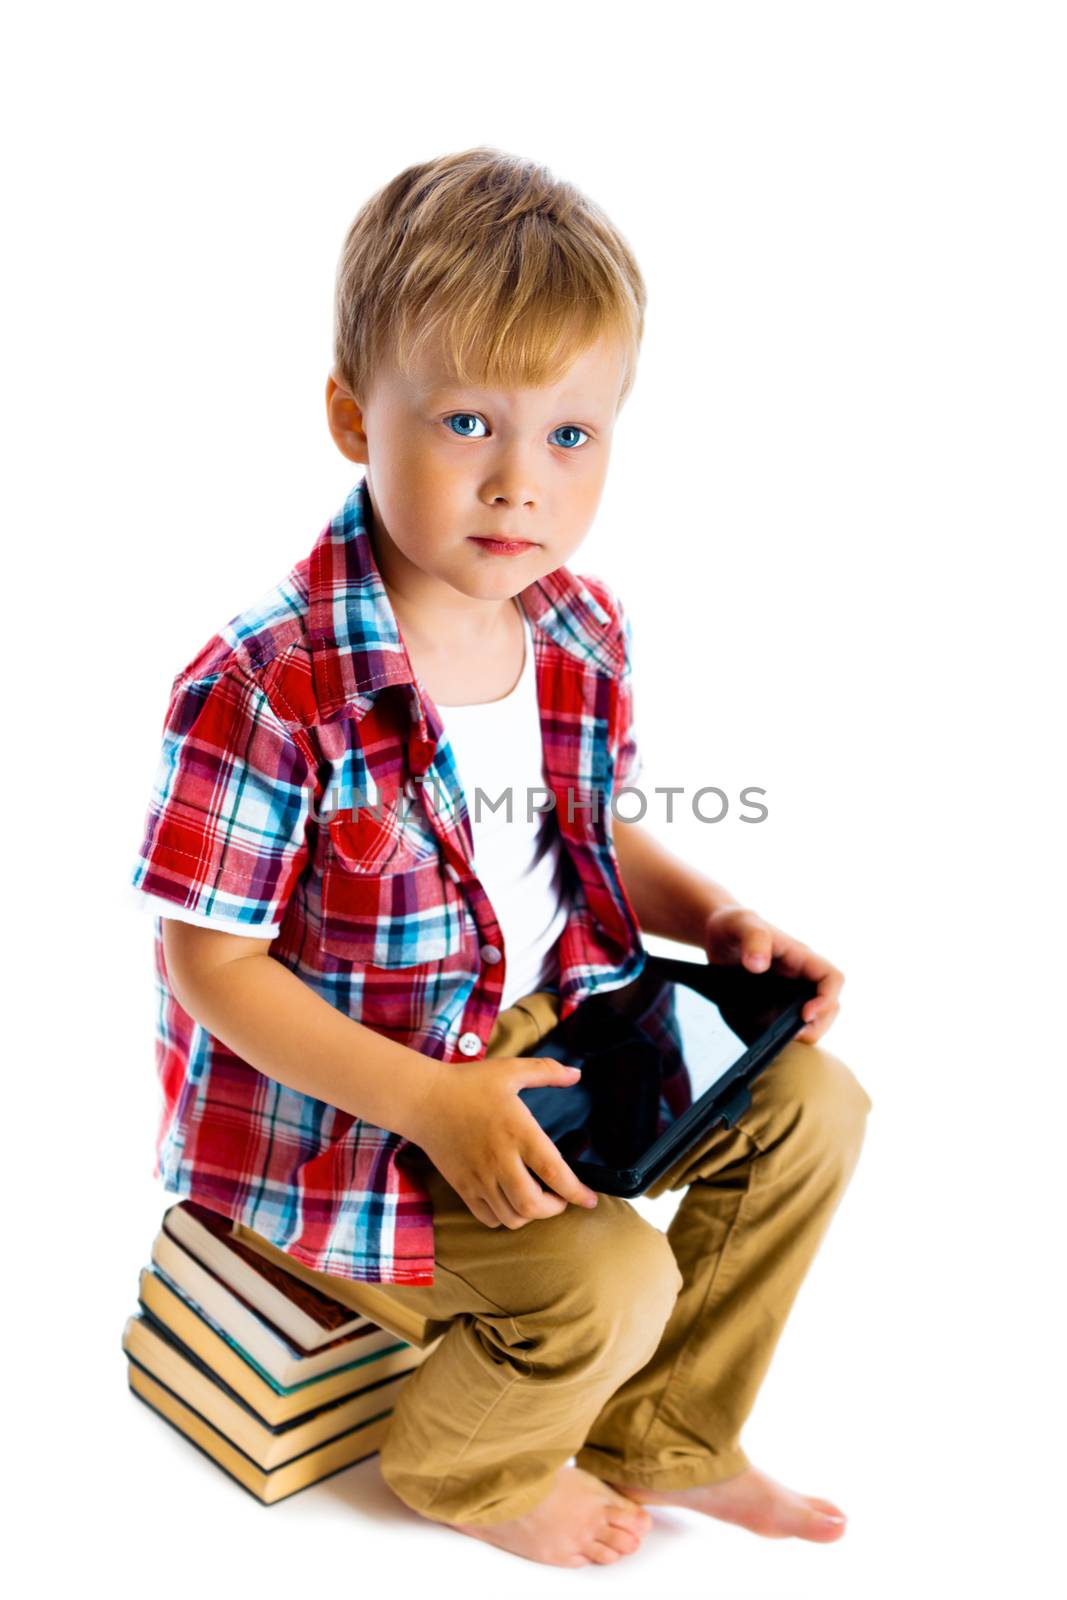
{"points": [[733, 934], [482, 1138]]}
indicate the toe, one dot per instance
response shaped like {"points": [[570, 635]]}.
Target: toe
{"points": [[821, 1521], [638, 1527], [628, 1514], [620, 1539], [826, 1506], [602, 1554]]}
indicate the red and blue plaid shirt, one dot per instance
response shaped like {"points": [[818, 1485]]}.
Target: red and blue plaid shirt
{"points": [[307, 789]]}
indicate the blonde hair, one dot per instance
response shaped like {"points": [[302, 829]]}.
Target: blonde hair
{"points": [[514, 270]]}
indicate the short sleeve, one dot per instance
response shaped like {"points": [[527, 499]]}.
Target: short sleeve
{"points": [[629, 762], [154, 905], [224, 837]]}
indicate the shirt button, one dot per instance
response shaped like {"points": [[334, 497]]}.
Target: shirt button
{"points": [[451, 872], [410, 790], [490, 953], [470, 1043]]}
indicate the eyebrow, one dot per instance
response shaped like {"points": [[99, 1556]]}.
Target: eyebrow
{"points": [[438, 390], [445, 386]]}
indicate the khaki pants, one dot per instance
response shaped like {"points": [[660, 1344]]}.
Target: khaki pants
{"points": [[596, 1335]]}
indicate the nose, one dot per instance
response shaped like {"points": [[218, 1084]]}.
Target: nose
{"points": [[511, 481]]}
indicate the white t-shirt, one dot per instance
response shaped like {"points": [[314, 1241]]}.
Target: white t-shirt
{"points": [[496, 746]]}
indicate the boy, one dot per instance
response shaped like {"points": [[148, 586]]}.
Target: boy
{"points": [[351, 956]]}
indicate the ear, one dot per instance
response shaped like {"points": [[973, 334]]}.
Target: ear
{"points": [[345, 418]]}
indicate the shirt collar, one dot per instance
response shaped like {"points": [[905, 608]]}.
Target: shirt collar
{"points": [[356, 644]]}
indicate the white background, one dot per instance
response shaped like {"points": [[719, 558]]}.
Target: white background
{"points": [[836, 513]]}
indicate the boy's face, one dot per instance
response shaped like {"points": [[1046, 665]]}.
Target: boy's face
{"points": [[450, 464]]}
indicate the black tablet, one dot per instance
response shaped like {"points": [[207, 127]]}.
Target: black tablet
{"points": [[664, 1058]]}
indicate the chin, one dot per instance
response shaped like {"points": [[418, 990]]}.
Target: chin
{"points": [[501, 576]]}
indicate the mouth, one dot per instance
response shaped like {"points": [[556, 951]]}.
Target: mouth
{"points": [[498, 545]]}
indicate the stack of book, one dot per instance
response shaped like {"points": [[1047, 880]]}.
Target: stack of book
{"points": [[239, 1347]]}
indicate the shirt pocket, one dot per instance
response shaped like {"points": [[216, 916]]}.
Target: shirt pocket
{"points": [[385, 899]]}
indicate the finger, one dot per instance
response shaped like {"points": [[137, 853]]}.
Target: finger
{"points": [[505, 1210], [813, 1031], [830, 986], [827, 997], [791, 957], [524, 1195], [479, 1207], [546, 1202], [534, 1071], [802, 961], [543, 1157], [549, 1204], [811, 1011], [757, 947], [735, 930]]}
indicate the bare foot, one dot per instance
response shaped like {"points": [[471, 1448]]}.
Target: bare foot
{"points": [[582, 1521], [754, 1501]]}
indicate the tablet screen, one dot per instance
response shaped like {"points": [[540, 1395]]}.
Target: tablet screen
{"points": [[650, 1050]]}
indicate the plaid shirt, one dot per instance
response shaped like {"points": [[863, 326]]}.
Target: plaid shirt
{"points": [[307, 790]]}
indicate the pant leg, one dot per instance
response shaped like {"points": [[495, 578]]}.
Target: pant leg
{"points": [[545, 1322], [759, 1199]]}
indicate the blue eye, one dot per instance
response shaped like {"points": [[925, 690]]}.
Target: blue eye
{"points": [[464, 416], [577, 435], [569, 427]]}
